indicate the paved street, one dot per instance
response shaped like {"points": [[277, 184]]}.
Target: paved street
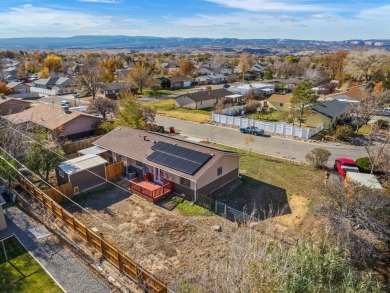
{"points": [[57, 100], [274, 146]]}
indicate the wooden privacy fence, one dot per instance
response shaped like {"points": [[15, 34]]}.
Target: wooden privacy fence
{"points": [[73, 147], [56, 193], [115, 170], [119, 259]]}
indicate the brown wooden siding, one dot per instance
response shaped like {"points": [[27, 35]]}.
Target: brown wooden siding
{"points": [[180, 189]]}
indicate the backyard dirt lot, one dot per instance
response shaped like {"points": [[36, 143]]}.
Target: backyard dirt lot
{"points": [[156, 238]]}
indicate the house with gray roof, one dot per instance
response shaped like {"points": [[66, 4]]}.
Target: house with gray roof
{"points": [[327, 113], [202, 99]]}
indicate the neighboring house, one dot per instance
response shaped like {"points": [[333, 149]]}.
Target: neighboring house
{"points": [[327, 113], [51, 85], [202, 80], [180, 81], [226, 70], [161, 83], [254, 88], [193, 169], [202, 99], [109, 90], [280, 102], [62, 123], [12, 106], [361, 179], [204, 71], [13, 71], [357, 93], [84, 172], [18, 87], [217, 78]]}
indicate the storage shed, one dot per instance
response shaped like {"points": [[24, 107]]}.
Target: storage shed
{"points": [[362, 179], [84, 172]]}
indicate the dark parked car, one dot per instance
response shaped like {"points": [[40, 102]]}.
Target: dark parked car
{"points": [[252, 130]]}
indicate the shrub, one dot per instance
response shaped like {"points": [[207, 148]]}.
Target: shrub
{"points": [[251, 107], [364, 164], [343, 132], [382, 124], [318, 157]]}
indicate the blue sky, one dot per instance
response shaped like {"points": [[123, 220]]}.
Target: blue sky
{"points": [[304, 19]]}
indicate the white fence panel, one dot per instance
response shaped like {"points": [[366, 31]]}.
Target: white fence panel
{"points": [[44, 91], [280, 128]]}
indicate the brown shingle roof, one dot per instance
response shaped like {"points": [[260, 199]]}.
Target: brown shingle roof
{"points": [[207, 95], [280, 98], [130, 143], [48, 116]]}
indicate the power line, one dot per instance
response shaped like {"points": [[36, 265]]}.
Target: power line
{"points": [[114, 184], [103, 223]]}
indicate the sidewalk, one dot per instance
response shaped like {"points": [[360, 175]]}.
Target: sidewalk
{"points": [[65, 269]]}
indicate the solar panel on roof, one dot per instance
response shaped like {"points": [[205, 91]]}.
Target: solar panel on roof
{"points": [[179, 158]]}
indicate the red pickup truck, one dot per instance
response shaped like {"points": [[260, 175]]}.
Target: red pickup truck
{"points": [[344, 165]]}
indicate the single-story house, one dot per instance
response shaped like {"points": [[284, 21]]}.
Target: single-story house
{"points": [[52, 85], [202, 80], [202, 99], [362, 179], [180, 81], [61, 122], [83, 172], [226, 70], [114, 89], [279, 102], [204, 71], [217, 78], [18, 87], [193, 169], [12, 106], [327, 113], [254, 88]]}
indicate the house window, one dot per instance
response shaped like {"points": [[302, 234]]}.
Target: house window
{"points": [[185, 182], [219, 171], [61, 173], [281, 104]]}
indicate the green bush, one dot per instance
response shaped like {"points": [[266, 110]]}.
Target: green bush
{"points": [[343, 132], [318, 157], [364, 164], [382, 124]]}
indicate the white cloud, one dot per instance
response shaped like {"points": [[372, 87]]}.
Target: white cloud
{"points": [[267, 5], [377, 12]]}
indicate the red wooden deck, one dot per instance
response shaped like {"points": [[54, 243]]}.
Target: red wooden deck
{"points": [[150, 190]]}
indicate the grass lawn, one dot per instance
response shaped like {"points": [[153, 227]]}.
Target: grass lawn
{"points": [[268, 181], [21, 273], [277, 116], [149, 92], [189, 209], [167, 108], [364, 129]]}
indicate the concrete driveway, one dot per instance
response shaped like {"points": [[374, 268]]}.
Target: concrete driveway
{"points": [[273, 146]]}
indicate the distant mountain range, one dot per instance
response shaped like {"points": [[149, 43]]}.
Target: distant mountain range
{"points": [[137, 43]]}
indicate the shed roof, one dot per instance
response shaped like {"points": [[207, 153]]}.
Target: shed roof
{"points": [[82, 163], [93, 150]]}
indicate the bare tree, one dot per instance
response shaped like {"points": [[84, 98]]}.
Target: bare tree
{"points": [[245, 63], [103, 106], [363, 64], [90, 75]]}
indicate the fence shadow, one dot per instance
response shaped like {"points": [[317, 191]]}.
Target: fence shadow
{"points": [[251, 197]]}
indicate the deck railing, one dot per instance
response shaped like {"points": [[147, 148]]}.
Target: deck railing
{"points": [[151, 195]]}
